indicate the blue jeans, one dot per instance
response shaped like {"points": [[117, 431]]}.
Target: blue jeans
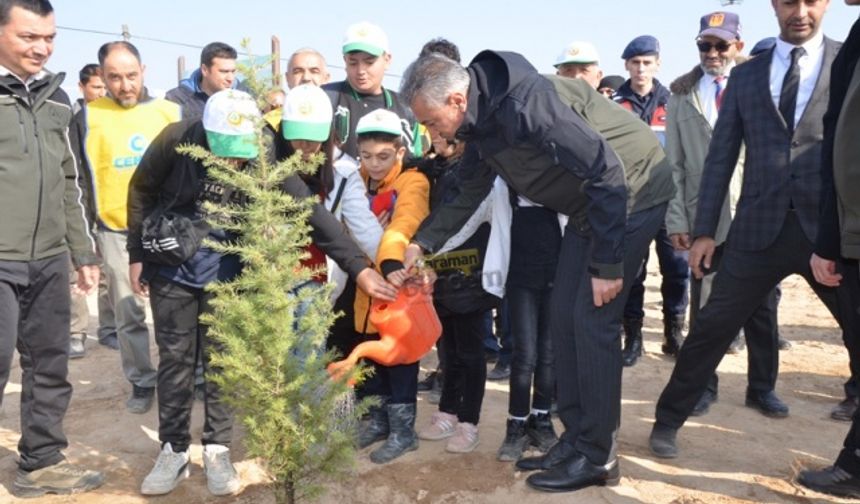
{"points": [[676, 281], [528, 310]]}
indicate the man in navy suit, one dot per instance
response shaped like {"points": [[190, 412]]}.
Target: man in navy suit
{"points": [[774, 105]]}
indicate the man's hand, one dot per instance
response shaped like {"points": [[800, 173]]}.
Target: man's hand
{"points": [[375, 286], [701, 254], [605, 289], [397, 277], [88, 279], [134, 270], [411, 256], [824, 271], [680, 241]]}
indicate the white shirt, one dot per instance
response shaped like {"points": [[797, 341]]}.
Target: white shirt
{"points": [[708, 93], [810, 67]]}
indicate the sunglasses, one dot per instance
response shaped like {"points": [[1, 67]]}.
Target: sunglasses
{"points": [[721, 46]]}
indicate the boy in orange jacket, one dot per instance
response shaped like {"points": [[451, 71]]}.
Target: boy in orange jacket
{"points": [[400, 196]]}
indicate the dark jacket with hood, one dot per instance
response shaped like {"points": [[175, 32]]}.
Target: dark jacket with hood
{"points": [[169, 180], [839, 228], [41, 194], [517, 127], [191, 97]]}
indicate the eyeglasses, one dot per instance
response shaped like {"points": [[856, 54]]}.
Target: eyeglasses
{"points": [[721, 46]]}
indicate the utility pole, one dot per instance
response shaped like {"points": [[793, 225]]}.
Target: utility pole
{"points": [[180, 69], [276, 60], [126, 35]]}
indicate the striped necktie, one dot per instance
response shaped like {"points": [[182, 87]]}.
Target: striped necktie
{"points": [[718, 92]]}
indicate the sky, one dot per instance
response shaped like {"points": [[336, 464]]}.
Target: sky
{"points": [[539, 29]]}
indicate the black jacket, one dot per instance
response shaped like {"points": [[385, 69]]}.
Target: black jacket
{"points": [[841, 72], [519, 129], [166, 179], [191, 97]]}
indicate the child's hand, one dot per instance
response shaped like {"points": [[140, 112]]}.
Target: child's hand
{"points": [[398, 277]]}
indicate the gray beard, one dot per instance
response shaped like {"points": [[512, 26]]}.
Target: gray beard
{"points": [[130, 103], [713, 71]]}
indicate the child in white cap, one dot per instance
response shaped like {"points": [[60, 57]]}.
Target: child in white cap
{"points": [[404, 195]]}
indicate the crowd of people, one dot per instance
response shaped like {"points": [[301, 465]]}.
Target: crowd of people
{"points": [[533, 197]]}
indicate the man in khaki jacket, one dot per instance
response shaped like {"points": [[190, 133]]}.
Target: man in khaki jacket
{"points": [[693, 111]]}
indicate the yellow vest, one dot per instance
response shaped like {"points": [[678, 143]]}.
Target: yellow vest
{"points": [[115, 140]]}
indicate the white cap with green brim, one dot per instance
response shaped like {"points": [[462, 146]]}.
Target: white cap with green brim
{"points": [[307, 114], [578, 52], [230, 119], [365, 37], [380, 121]]}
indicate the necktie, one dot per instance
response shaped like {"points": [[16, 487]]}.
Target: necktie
{"points": [[790, 85], [718, 93]]}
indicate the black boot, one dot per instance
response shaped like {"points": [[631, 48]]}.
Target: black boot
{"points": [[541, 431], [632, 342], [516, 441], [426, 384], [673, 334], [401, 438], [375, 427]]}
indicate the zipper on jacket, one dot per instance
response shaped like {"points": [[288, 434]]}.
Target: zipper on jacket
{"points": [[554, 150], [24, 146], [41, 179]]}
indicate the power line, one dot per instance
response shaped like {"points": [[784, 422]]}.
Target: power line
{"points": [[176, 43]]}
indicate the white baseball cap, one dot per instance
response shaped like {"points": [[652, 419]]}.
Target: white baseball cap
{"points": [[578, 52], [365, 37], [231, 119], [380, 121], [307, 114]]}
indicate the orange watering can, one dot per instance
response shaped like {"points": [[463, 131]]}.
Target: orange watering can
{"points": [[408, 329]]}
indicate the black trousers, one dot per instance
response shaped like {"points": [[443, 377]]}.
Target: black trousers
{"points": [[34, 317], [849, 305], [586, 339], [744, 281], [761, 331], [529, 311], [180, 337], [849, 457], [465, 367], [398, 383], [675, 273]]}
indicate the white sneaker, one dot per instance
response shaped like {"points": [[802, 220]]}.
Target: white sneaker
{"points": [[221, 476], [442, 425], [170, 468], [465, 440]]}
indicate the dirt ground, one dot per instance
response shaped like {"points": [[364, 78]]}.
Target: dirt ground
{"points": [[731, 455]]}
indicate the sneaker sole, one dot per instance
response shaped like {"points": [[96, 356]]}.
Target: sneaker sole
{"points": [[427, 437], [27, 492], [229, 489], [162, 491], [465, 449]]}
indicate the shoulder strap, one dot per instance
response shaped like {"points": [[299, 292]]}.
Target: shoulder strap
{"points": [[338, 196]]}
